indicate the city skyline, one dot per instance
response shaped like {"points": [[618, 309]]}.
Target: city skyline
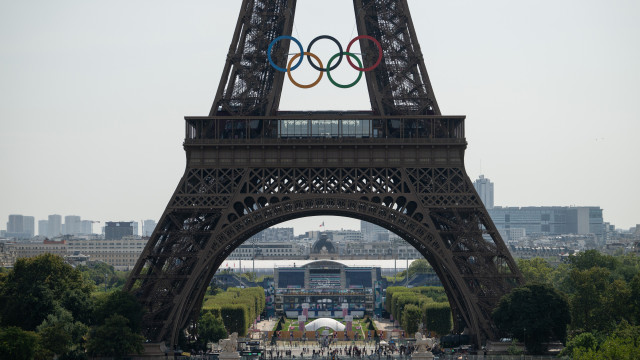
{"points": [[94, 98]]}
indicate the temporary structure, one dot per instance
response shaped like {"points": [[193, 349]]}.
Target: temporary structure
{"points": [[324, 322]]}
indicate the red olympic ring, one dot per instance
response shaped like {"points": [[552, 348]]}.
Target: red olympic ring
{"points": [[379, 52]]}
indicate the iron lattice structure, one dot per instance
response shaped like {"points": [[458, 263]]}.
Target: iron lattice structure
{"points": [[251, 166]]}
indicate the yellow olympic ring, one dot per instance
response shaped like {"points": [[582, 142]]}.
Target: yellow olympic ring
{"points": [[291, 77]]}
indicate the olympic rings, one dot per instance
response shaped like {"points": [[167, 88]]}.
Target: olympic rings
{"points": [[329, 70], [275, 41], [379, 52], [329, 38], [289, 68]]}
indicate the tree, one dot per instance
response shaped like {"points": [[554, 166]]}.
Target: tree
{"points": [[121, 303], [617, 303], [36, 286], [622, 344], [534, 313], [535, 270], [211, 328], [60, 335], [585, 341], [635, 298], [411, 317], [588, 300], [98, 272], [114, 338], [17, 344], [420, 266], [593, 258]]}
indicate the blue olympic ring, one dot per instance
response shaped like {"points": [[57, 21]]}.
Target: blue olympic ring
{"points": [[281, 38]]}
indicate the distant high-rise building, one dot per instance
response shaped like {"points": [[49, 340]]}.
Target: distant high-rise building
{"points": [[29, 228], [55, 225], [372, 232], [72, 225], [86, 227], [135, 227], [484, 187], [147, 227], [15, 223], [20, 227], [117, 230], [43, 228]]}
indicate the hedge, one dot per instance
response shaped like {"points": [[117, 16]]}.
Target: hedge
{"points": [[431, 301], [237, 307], [437, 317], [235, 318], [411, 317]]}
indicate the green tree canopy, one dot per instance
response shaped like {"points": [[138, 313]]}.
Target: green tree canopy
{"points": [[536, 270], [588, 298], [121, 303], [535, 313], [622, 344], [635, 298], [211, 328], [584, 341], [17, 344], [593, 258], [98, 272], [114, 338], [60, 334], [36, 286], [420, 266]]}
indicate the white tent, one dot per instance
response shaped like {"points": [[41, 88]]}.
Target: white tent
{"points": [[324, 322]]}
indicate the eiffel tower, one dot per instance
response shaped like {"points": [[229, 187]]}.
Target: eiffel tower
{"points": [[250, 166]]}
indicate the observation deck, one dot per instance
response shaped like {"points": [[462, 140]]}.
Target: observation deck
{"points": [[316, 126], [350, 138]]}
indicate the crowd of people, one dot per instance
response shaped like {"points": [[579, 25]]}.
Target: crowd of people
{"points": [[325, 348]]}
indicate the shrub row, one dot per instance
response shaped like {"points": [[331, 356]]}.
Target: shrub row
{"points": [[237, 307], [427, 304]]}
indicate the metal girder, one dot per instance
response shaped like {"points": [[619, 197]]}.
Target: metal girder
{"points": [[233, 187], [400, 85], [249, 84]]}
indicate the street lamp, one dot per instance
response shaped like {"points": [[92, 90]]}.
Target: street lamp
{"points": [[458, 317]]}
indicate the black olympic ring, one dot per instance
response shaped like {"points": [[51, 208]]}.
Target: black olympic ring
{"points": [[328, 38]]}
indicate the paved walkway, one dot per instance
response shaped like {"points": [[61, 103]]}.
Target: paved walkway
{"points": [[384, 324], [267, 325]]}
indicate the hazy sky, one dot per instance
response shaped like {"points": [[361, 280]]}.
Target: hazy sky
{"points": [[93, 95]]}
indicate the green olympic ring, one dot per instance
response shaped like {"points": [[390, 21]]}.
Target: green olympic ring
{"points": [[329, 70]]}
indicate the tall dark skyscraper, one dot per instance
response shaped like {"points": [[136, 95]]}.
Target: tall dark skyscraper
{"points": [[118, 230]]}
